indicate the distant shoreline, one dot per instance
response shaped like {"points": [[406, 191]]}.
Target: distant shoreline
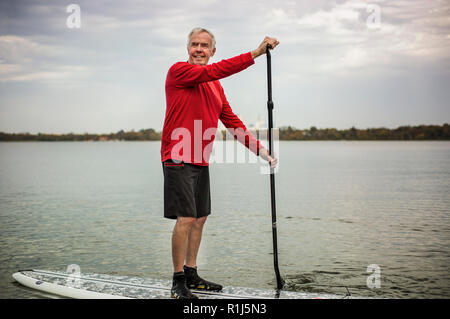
{"points": [[402, 133]]}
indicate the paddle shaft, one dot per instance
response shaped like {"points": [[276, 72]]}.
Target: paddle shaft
{"points": [[272, 175]]}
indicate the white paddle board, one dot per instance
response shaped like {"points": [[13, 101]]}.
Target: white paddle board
{"points": [[96, 286]]}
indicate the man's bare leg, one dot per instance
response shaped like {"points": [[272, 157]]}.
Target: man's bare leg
{"points": [[194, 239], [180, 238], [193, 280]]}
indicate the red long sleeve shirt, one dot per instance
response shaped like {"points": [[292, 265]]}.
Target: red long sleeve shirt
{"points": [[195, 101]]}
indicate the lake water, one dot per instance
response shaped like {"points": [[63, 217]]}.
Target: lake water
{"points": [[341, 207]]}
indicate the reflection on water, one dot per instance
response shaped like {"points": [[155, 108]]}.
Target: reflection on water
{"points": [[341, 206]]}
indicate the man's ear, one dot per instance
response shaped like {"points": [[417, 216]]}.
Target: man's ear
{"points": [[213, 52]]}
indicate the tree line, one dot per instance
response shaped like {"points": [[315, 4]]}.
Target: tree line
{"points": [[403, 133], [142, 135]]}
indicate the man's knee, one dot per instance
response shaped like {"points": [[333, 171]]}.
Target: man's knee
{"points": [[187, 222], [199, 222]]}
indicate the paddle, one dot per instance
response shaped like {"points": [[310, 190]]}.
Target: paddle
{"points": [[280, 281]]}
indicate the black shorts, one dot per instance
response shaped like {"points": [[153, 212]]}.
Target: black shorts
{"points": [[186, 190]]}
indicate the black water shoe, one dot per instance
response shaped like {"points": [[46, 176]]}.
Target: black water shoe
{"points": [[193, 281], [179, 289]]}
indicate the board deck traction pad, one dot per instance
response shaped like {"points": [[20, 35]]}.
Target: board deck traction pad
{"points": [[87, 285]]}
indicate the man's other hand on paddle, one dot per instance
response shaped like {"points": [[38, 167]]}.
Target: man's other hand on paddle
{"points": [[263, 46]]}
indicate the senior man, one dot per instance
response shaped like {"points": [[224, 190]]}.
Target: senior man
{"points": [[195, 101]]}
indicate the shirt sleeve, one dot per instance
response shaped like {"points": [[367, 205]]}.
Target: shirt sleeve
{"points": [[184, 74], [236, 128]]}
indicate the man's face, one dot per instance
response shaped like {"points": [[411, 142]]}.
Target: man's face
{"points": [[199, 48]]}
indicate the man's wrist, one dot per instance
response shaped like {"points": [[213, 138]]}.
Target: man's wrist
{"points": [[263, 152], [255, 54]]}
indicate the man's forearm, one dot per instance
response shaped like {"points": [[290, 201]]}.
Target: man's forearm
{"points": [[256, 53]]}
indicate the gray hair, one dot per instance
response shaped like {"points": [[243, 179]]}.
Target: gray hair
{"points": [[198, 30]]}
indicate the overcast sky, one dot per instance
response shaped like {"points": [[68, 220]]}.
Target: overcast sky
{"points": [[339, 63]]}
